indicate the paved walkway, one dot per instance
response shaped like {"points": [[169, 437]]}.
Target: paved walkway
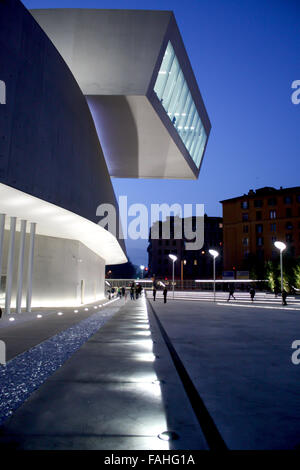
{"points": [[118, 391], [239, 358]]}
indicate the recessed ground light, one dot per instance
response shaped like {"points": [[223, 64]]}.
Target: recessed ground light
{"points": [[59, 313], [75, 311], [86, 309], [39, 316], [95, 306], [12, 319], [168, 436]]}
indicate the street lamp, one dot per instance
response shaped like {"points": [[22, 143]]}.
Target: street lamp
{"points": [[214, 254], [142, 267], [280, 246], [173, 258]]}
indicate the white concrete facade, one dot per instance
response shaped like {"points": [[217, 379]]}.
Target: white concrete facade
{"points": [[65, 272]]}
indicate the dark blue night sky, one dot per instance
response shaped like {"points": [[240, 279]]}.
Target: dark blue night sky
{"points": [[245, 55]]}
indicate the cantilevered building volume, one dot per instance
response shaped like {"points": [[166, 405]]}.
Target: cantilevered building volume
{"points": [[86, 95], [135, 73]]}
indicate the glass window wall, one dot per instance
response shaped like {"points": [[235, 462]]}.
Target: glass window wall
{"points": [[172, 90]]}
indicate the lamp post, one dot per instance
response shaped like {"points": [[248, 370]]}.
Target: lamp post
{"points": [[214, 254], [142, 267], [281, 247], [173, 258]]}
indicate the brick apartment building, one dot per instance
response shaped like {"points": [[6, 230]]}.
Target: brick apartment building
{"points": [[254, 221], [190, 264]]}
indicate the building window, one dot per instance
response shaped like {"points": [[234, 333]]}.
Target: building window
{"points": [[244, 205], [258, 215], [172, 90], [289, 237], [220, 225], [258, 203], [272, 214], [259, 228], [289, 226], [245, 241], [273, 227], [288, 212], [244, 217], [195, 262], [245, 228], [259, 241], [272, 201], [288, 199]]}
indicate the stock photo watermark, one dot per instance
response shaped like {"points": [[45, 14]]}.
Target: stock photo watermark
{"points": [[182, 221], [296, 354], [2, 353], [295, 96]]}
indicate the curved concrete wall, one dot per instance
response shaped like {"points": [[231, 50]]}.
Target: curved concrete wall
{"points": [[49, 147]]}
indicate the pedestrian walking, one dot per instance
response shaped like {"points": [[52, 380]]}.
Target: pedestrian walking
{"points": [[123, 291], [231, 292], [252, 293], [165, 292], [139, 290], [154, 291], [284, 296], [132, 292]]}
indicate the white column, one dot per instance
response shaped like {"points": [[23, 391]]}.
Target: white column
{"points": [[10, 264], [30, 266], [2, 225], [21, 266]]}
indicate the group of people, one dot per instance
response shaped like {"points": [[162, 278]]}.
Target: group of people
{"points": [[121, 292], [231, 293], [135, 291], [252, 294]]}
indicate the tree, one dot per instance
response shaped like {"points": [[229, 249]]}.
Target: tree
{"points": [[291, 273], [297, 276]]}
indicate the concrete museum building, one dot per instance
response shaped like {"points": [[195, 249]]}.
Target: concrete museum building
{"points": [[85, 95]]}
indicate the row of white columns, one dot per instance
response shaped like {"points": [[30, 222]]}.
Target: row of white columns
{"points": [[10, 263]]}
